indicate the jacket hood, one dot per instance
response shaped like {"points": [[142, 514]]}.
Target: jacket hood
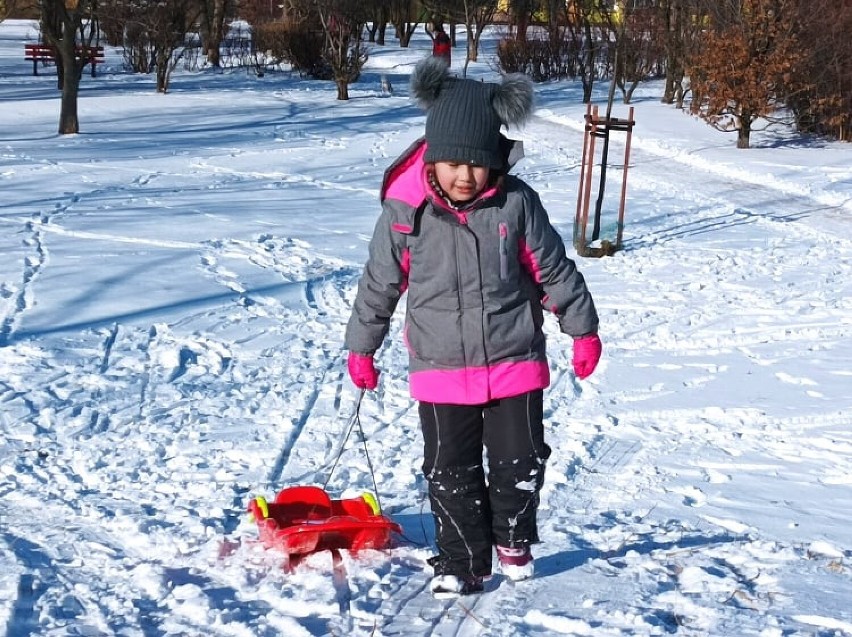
{"points": [[404, 179]]}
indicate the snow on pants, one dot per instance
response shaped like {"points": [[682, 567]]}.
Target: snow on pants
{"points": [[473, 513]]}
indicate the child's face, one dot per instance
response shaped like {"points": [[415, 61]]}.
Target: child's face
{"points": [[461, 182]]}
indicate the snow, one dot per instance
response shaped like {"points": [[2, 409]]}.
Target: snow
{"points": [[174, 286]]}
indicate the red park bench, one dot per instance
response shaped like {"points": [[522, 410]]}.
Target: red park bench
{"points": [[93, 55]]}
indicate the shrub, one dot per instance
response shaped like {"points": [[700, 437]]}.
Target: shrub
{"points": [[302, 48], [541, 60]]}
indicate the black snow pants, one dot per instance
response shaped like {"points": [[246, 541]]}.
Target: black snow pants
{"points": [[473, 512]]}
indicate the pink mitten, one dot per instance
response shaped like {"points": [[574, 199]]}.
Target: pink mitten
{"points": [[362, 371], [587, 353]]}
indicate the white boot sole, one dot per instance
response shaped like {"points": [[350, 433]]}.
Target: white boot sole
{"points": [[518, 573], [448, 587]]}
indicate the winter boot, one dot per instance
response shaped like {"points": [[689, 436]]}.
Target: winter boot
{"points": [[516, 563], [451, 586]]}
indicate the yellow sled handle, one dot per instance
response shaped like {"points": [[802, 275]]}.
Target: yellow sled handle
{"points": [[262, 505], [370, 499]]}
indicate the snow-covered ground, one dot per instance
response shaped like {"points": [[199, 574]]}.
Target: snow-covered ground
{"points": [[174, 285]]}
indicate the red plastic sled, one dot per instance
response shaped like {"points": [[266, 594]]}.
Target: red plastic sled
{"points": [[305, 520]]}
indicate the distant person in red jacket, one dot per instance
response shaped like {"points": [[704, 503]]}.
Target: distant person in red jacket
{"points": [[441, 44]]}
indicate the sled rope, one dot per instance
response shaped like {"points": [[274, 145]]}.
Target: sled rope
{"points": [[354, 420]]}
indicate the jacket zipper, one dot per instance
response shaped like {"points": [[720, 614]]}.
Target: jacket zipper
{"points": [[504, 251], [456, 231]]}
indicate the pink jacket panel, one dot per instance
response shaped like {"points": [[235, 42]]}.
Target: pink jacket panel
{"points": [[478, 385]]}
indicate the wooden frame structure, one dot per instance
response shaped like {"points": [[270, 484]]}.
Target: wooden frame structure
{"points": [[597, 127]]}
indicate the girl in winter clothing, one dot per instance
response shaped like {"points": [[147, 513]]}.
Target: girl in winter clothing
{"points": [[475, 250]]}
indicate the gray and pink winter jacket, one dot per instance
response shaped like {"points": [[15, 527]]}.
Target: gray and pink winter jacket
{"points": [[477, 281]]}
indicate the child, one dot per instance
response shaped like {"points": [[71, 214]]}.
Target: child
{"points": [[475, 250]]}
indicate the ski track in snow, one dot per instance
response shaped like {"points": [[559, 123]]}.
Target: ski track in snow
{"points": [[158, 381], [165, 389], [171, 389], [610, 545], [248, 389]]}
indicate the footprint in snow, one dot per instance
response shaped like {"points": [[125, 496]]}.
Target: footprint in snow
{"points": [[692, 496]]}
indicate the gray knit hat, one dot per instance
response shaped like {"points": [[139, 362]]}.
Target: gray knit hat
{"points": [[463, 117]]}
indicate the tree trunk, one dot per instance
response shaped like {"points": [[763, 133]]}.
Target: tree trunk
{"points": [[553, 22], [163, 77], [669, 90], [60, 72], [217, 29], [588, 85], [472, 48], [69, 123], [342, 90], [383, 25], [63, 25], [668, 38], [521, 31], [744, 132], [674, 87], [588, 68], [214, 57], [406, 30]]}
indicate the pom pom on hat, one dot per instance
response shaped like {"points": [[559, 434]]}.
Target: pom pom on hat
{"points": [[426, 81], [513, 99], [463, 117]]}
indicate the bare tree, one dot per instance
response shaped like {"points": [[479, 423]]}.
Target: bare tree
{"points": [[268, 33], [557, 13], [578, 43], [213, 19], [155, 33], [343, 24], [121, 26], [478, 14], [748, 57], [297, 12], [71, 27], [588, 27], [380, 15], [258, 11], [405, 16], [638, 50], [521, 14]]}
